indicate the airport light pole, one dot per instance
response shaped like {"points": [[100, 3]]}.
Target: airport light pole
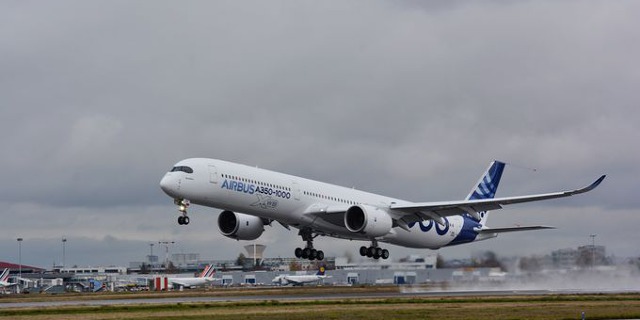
{"points": [[166, 252], [20, 257], [593, 250], [150, 253], [64, 241]]}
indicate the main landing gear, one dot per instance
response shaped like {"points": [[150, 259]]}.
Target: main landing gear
{"points": [[374, 251], [182, 204], [308, 252]]}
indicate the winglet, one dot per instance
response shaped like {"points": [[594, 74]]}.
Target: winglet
{"points": [[596, 183], [590, 187]]}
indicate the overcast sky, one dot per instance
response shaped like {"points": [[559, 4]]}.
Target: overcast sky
{"points": [[411, 99]]}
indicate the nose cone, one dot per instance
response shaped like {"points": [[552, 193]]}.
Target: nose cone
{"points": [[168, 185]]}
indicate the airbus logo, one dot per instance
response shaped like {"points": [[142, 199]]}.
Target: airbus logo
{"points": [[238, 186], [249, 188]]}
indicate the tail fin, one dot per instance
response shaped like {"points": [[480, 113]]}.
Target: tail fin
{"points": [[487, 186], [5, 275], [320, 271], [208, 272]]}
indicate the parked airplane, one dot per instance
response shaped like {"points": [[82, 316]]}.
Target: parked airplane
{"points": [[252, 198], [298, 280], [4, 279], [206, 277]]}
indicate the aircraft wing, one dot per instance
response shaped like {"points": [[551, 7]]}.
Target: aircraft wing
{"points": [[414, 212], [420, 211]]}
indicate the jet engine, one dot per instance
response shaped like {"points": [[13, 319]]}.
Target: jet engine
{"points": [[240, 226], [368, 220]]}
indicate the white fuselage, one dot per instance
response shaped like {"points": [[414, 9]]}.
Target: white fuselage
{"points": [[287, 199], [188, 282], [297, 279]]}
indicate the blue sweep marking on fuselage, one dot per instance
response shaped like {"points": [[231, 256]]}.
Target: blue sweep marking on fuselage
{"points": [[486, 189], [445, 229], [467, 234], [426, 228]]}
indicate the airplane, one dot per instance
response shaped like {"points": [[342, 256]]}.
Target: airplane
{"points": [[206, 277], [298, 280], [251, 198], [4, 279]]}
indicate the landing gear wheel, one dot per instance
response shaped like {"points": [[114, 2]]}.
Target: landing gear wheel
{"points": [[306, 253], [370, 252], [183, 220], [313, 254], [385, 254], [182, 204], [374, 251]]}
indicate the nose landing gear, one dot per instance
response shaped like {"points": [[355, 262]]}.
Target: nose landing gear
{"points": [[182, 204], [182, 220]]}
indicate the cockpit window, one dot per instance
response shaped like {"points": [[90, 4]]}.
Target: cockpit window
{"points": [[182, 168]]}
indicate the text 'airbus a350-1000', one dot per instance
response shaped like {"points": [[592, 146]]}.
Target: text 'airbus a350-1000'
{"points": [[251, 198]]}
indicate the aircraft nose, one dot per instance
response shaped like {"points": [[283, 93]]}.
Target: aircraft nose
{"points": [[168, 184]]}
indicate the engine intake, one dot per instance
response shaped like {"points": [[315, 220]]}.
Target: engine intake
{"points": [[240, 226], [368, 220]]}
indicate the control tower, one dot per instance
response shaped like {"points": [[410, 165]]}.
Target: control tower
{"points": [[255, 252]]}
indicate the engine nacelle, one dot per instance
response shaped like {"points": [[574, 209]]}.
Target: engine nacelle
{"points": [[368, 220], [240, 226]]}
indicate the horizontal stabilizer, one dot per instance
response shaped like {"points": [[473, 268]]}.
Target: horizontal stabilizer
{"points": [[512, 229]]}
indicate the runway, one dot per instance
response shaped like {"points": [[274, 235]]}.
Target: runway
{"points": [[282, 298]]}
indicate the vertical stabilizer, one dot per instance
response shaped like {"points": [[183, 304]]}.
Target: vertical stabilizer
{"points": [[208, 272], [4, 277], [487, 186]]}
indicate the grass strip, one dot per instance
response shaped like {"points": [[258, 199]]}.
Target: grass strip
{"points": [[512, 307]]}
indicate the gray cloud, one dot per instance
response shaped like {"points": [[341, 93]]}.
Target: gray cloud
{"points": [[410, 99]]}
